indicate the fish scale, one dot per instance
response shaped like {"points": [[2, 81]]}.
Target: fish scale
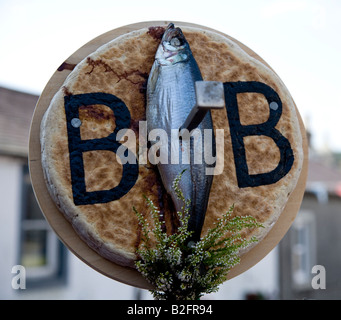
{"points": [[170, 98]]}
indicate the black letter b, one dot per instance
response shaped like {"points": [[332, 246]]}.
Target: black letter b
{"points": [[77, 147], [239, 131]]}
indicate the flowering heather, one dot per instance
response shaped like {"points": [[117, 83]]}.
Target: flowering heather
{"points": [[180, 269]]}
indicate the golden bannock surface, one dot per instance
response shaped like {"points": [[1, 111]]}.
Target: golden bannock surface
{"points": [[121, 68]]}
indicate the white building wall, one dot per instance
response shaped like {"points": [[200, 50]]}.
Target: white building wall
{"points": [[262, 278], [83, 283], [10, 196], [96, 286]]}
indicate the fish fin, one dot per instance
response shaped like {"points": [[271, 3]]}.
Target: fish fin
{"points": [[154, 72]]}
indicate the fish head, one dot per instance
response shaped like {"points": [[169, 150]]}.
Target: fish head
{"points": [[173, 48]]}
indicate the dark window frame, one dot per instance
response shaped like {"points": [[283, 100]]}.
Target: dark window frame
{"points": [[53, 270]]}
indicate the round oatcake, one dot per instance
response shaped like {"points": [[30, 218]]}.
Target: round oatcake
{"points": [[120, 68]]}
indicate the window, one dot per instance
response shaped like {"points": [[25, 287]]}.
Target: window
{"points": [[41, 253], [303, 249]]}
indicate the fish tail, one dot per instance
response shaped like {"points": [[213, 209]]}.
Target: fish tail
{"points": [[201, 187]]}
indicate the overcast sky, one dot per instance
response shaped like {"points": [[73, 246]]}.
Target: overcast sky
{"points": [[300, 39]]}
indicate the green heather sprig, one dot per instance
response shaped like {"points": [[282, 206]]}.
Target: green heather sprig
{"points": [[180, 269]]}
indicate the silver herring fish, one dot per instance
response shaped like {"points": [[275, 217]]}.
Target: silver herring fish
{"points": [[170, 98]]}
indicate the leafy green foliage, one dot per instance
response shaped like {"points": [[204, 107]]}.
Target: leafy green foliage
{"points": [[181, 269]]}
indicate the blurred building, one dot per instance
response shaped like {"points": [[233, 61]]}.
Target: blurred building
{"points": [[53, 272], [314, 239]]}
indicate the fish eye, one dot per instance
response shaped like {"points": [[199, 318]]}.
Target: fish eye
{"points": [[175, 42]]}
